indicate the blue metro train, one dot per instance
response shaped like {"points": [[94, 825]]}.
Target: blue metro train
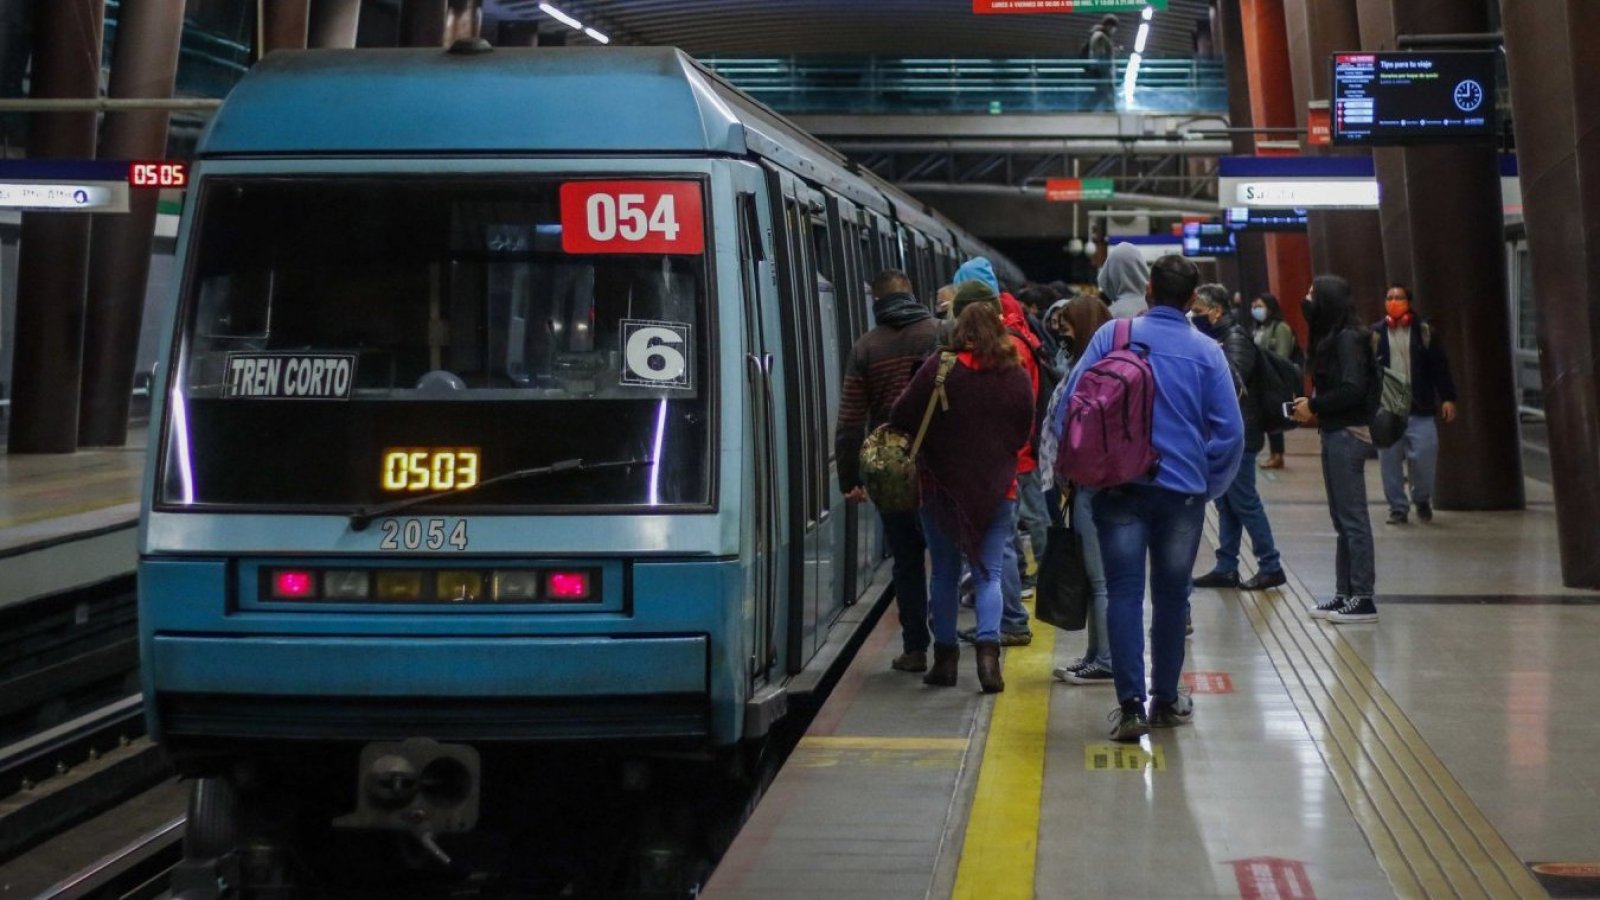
{"points": [[498, 411]]}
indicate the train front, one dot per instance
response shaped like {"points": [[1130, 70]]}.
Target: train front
{"points": [[437, 470]]}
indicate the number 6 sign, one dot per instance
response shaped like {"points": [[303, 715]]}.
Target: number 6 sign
{"points": [[656, 354], [632, 217]]}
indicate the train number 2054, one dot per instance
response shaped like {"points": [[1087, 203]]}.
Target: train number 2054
{"points": [[423, 534]]}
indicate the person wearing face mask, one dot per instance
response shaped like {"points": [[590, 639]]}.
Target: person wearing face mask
{"points": [[1240, 509], [1273, 333], [1408, 348]]}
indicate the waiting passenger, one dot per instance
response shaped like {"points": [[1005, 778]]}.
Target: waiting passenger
{"points": [[881, 364], [1408, 349], [1014, 627], [1240, 509], [1199, 436], [1342, 405], [967, 473], [1082, 315], [1273, 333], [1123, 279]]}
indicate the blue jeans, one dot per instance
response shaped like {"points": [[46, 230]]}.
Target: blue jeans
{"points": [[1344, 467], [1240, 510], [1136, 521], [903, 532], [945, 551], [1033, 514], [1099, 649], [1420, 448], [1014, 617]]}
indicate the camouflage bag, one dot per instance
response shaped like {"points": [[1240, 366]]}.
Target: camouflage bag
{"points": [[889, 455]]}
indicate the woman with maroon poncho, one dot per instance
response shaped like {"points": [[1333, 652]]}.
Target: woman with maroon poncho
{"points": [[967, 473]]}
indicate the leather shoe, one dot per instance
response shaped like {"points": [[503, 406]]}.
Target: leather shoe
{"points": [[910, 661], [1264, 580], [989, 667], [1217, 580], [945, 659]]}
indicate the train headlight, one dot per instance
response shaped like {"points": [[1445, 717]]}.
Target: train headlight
{"points": [[346, 584], [516, 587], [294, 584], [399, 585], [567, 587], [458, 587]]}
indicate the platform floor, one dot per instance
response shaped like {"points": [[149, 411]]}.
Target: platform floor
{"points": [[1441, 752], [46, 495]]}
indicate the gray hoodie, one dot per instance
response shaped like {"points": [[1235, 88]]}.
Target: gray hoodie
{"points": [[1123, 280]]}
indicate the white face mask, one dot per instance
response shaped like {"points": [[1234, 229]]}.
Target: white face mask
{"points": [[1259, 313]]}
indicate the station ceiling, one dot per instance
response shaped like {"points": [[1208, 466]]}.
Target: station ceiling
{"points": [[857, 27]]}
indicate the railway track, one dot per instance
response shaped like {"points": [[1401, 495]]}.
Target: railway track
{"points": [[138, 871]]}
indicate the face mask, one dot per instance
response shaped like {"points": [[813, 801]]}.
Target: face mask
{"points": [[1202, 323], [1397, 309], [1068, 343], [1259, 313]]}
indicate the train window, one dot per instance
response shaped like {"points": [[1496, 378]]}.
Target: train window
{"points": [[822, 248], [328, 322]]}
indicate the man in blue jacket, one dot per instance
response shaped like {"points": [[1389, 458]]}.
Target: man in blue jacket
{"points": [[1199, 433]]}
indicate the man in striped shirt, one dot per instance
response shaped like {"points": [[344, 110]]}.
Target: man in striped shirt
{"points": [[881, 363]]}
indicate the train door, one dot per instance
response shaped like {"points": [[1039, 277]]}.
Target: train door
{"points": [[851, 320], [803, 403], [755, 275]]}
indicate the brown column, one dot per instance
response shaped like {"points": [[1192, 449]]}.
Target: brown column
{"points": [[1458, 264], [1250, 266], [1343, 242], [1544, 72], [282, 25], [54, 259], [1266, 48], [145, 62], [333, 23], [465, 20], [422, 22], [1394, 214]]}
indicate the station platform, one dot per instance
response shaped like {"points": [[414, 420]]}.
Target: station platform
{"points": [[1444, 751], [68, 520]]}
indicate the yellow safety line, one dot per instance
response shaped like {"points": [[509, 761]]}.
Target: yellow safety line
{"points": [[1427, 834], [1002, 840], [845, 742]]}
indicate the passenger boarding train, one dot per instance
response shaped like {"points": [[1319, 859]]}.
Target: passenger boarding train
{"points": [[498, 411]]}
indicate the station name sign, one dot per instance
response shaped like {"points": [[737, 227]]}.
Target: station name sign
{"points": [[1026, 7], [82, 186]]}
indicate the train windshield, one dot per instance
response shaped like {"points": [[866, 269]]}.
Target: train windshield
{"points": [[351, 341]]}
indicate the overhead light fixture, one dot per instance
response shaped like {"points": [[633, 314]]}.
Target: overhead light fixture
{"points": [[560, 16], [597, 35], [1144, 35], [1131, 79], [1148, 13]]}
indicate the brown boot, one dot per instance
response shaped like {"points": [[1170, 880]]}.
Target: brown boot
{"points": [[943, 671], [1274, 461], [989, 667]]}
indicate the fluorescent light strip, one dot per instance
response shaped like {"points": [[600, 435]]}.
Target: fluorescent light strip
{"points": [[1144, 35], [597, 35], [1148, 13], [1132, 76], [560, 16]]}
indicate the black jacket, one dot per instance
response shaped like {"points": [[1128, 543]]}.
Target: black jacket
{"points": [[1342, 374], [1242, 356], [1431, 383]]}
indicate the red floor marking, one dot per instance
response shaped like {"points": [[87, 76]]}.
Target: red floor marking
{"points": [[850, 685], [1208, 682], [1272, 878]]}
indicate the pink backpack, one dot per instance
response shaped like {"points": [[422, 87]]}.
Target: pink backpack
{"points": [[1106, 439]]}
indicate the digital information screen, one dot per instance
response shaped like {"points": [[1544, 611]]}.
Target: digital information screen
{"points": [[1208, 239], [1394, 99], [1245, 218]]}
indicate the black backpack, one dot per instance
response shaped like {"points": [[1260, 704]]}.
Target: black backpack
{"points": [[1048, 379], [1277, 381]]}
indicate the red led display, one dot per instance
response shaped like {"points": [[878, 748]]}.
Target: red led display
{"points": [[158, 174], [290, 584], [568, 585]]}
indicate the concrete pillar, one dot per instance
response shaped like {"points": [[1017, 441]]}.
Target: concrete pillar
{"points": [[1343, 242], [54, 262], [1266, 47], [1394, 214], [465, 21], [1540, 41], [283, 25], [422, 22], [1458, 263], [145, 63], [333, 23]]}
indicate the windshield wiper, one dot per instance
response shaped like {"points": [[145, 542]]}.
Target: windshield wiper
{"points": [[360, 519]]}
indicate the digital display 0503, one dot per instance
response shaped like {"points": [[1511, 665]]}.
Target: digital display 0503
{"points": [[415, 469]]}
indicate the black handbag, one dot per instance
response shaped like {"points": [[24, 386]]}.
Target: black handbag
{"points": [[1063, 593]]}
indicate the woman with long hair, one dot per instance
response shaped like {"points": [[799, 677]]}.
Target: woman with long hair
{"points": [[1081, 318], [1341, 405], [967, 471], [1272, 333]]}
